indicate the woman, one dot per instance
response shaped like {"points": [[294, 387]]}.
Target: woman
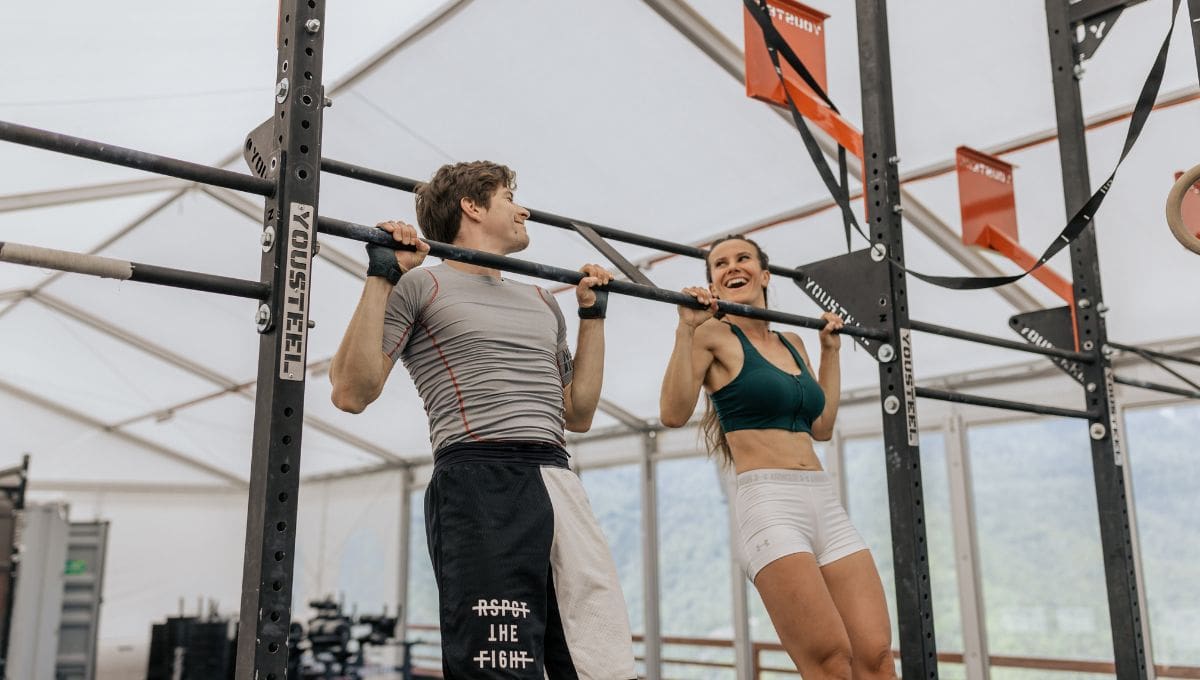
{"points": [[812, 569]]}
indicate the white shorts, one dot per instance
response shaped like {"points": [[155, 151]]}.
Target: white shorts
{"points": [[783, 512]]}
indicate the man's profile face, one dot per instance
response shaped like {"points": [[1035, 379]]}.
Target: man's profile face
{"points": [[504, 221]]}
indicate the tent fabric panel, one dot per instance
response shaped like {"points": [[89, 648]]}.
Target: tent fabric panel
{"points": [[65, 449], [70, 363]]}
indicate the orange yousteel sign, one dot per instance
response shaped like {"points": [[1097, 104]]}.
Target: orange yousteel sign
{"points": [[985, 194], [803, 28], [989, 214], [1191, 206]]}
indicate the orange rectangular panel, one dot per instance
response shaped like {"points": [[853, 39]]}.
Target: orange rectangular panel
{"points": [[985, 195], [803, 28]]}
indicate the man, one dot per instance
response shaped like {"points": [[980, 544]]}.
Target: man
{"points": [[526, 584]]}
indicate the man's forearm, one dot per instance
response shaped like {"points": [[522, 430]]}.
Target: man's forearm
{"points": [[589, 370], [357, 368]]}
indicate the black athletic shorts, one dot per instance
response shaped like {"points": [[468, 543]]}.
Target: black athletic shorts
{"points": [[527, 586]]}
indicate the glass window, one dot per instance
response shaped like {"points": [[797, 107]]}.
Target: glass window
{"points": [[867, 503], [421, 609], [1039, 541], [361, 582], [694, 565], [1166, 475], [616, 498]]}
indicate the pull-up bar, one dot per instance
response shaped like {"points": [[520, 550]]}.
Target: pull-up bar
{"points": [[131, 158], [384, 179], [360, 232]]}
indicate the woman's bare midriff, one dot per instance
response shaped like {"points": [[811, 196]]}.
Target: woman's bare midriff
{"points": [[758, 449]]}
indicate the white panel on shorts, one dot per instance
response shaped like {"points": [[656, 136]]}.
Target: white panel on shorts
{"points": [[595, 621]]}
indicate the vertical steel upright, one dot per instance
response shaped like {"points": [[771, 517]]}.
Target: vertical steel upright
{"points": [[881, 180], [651, 592], [289, 240], [1108, 457], [1194, 15]]}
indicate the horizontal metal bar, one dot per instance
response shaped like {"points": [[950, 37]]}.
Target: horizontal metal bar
{"points": [[359, 232], [623, 236], [1132, 382], [131, 158], [182, 278], [924, 327], [976, 400], [124, 270], [1153, 353], [369, 175]]}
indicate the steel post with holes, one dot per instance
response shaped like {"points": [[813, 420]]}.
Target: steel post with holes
{"points": [[1194, 15], [914, 601], [289, 239], [1108, 456]]}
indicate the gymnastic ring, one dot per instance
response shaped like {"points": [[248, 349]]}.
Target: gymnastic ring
{"points": [[1175, 210]]}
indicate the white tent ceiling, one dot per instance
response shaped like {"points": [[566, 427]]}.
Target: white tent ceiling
{"points": [[609, 114]]}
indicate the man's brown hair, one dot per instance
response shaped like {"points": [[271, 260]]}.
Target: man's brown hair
{"points": [[439, 212]]}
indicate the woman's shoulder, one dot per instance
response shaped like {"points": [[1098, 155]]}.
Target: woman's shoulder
{"points": [[792, 337], [712, 331], [795, 341]]}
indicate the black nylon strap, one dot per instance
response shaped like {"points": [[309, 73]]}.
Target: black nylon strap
{"points": [[843, 173], [1149, 358], [776, 44], [1075, 226]]}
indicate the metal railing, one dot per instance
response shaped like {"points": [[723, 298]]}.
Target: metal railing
{"points": [[759, 666]]}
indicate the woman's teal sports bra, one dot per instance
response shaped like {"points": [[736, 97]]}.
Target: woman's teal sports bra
{"points": [[765, 397]]}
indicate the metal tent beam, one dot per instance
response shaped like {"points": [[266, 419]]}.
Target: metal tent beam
{"points": [[74, 486], [84, 419], [625, 417], [121, 233], [90, 192], [227, 385], [431, 21], [437, 17], [966, 549], [404, 538], [1175, 98], [651, 593]]}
